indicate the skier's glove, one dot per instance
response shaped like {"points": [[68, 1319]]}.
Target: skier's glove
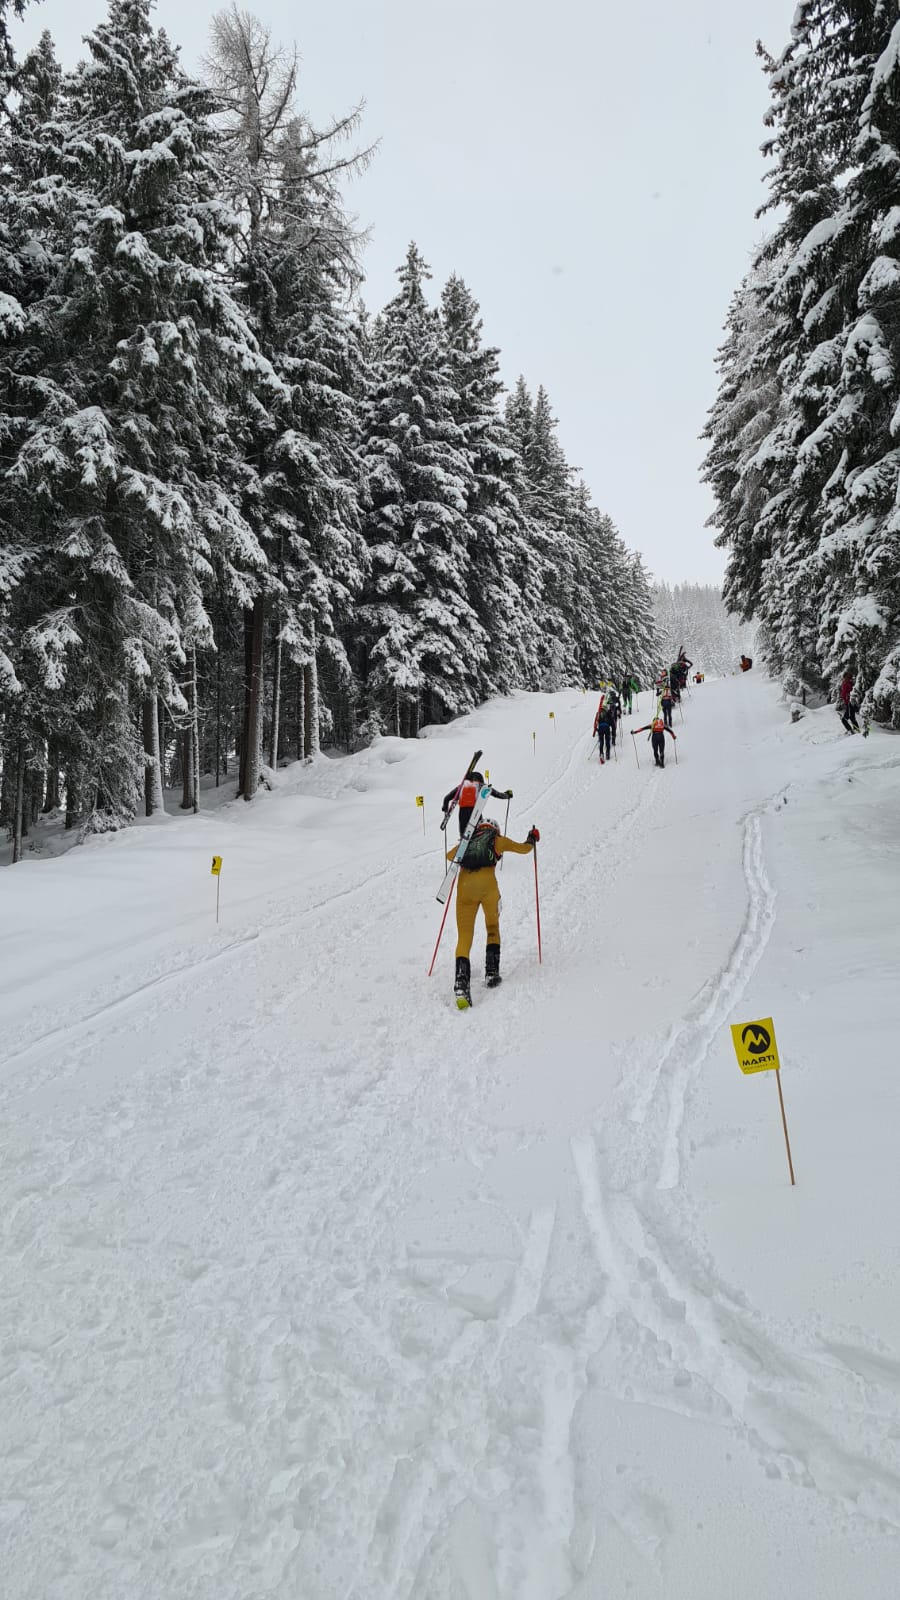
{"points": [[534, 835], [503, 794]]}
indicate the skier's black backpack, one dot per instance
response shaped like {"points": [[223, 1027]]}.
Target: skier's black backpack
{"points": [[480, 850]]}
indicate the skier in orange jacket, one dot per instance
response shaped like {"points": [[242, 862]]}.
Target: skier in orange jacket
{"points": [[658, 730]]}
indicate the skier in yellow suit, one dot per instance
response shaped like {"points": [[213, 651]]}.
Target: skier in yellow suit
{"points": [[478, 886]]}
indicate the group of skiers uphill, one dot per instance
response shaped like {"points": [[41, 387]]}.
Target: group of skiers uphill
{"points": [[613, 702], [482, 844]]}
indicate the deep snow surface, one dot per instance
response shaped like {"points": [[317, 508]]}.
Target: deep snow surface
{"points": [[314, 1288]]}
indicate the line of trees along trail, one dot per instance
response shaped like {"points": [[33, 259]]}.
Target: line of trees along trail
{"points": [[804, 438], [239, 515]]}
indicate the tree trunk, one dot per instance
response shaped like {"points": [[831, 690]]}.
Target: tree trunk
{"points": [[311, 703], [187, 770], [248, 676], [153, 795], [276, 703], [218, 711], [195, 729], [20, 803], [51, 793], [301, 715], [71, 802], [253, 752]]}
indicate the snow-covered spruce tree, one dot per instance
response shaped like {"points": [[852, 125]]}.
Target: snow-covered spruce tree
{"points": [[424, 650], [792, 326], [295, 272], [634, 646], [135, 363], [857, 565], [588, 594], [548, 503], [598, 576], [746, 413], [8, 73], [502, 570]]}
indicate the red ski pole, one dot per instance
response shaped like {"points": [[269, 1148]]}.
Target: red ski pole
{"points": [[441, 929], [537, 904], [505, 831]]}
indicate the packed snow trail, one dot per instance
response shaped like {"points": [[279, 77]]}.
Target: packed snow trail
{"points": [[314, 1286]]}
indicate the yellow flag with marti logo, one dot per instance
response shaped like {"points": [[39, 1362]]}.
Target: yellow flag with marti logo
{"points": [[755, 1046]]}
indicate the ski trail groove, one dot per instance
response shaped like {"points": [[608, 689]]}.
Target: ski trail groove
{"points": [[701, 1350]]}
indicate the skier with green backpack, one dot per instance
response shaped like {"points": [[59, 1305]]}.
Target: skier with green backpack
{"points": [[478, 886]]}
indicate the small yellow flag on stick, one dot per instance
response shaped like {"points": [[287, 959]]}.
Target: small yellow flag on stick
{"points": [[216, 869], [420, 801], [552, 716], [757, 1051]]}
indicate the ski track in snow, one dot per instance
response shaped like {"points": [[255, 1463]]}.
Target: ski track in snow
{"points": [[379, 1408]]}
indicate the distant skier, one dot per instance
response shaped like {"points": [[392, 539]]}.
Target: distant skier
{"points": [[667, 701], [847, 707], [603, 728], [478, 886], [657, 730], [466, 793], [615, 713], [627, 691]]}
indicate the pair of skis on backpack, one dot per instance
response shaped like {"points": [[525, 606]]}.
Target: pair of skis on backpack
{"points": [[481, 799]]}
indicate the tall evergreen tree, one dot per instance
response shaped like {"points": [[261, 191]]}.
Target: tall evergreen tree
{"points": [[503, 573], [122, 392], [296, 273], [425, 649]]}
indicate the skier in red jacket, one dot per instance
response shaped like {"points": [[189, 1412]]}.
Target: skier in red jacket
{"points": [[847, 707]]}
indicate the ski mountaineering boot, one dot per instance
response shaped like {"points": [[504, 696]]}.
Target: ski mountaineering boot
{"points": [[461, 987], [492, 966]]}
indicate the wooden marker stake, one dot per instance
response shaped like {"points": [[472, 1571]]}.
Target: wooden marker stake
{"points": [[787, 1142]]}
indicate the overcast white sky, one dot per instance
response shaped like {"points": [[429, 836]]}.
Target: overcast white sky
{"points": [[591, 168]]}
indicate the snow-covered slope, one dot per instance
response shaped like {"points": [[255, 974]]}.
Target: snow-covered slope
{"points": [[315, 1288]]}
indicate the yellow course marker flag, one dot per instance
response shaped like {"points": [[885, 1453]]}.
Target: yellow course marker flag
{"points": [[216, 867], [420, 799], [754, 1045]]}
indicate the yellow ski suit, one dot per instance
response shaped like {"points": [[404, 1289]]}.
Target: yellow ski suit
{"points": [[480, 888]]}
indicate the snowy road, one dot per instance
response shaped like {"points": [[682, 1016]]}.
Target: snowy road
{"points": [[313, 1287]]}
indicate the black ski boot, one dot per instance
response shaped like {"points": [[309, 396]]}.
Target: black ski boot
{"points": [[492, 966], [461, 987]]}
